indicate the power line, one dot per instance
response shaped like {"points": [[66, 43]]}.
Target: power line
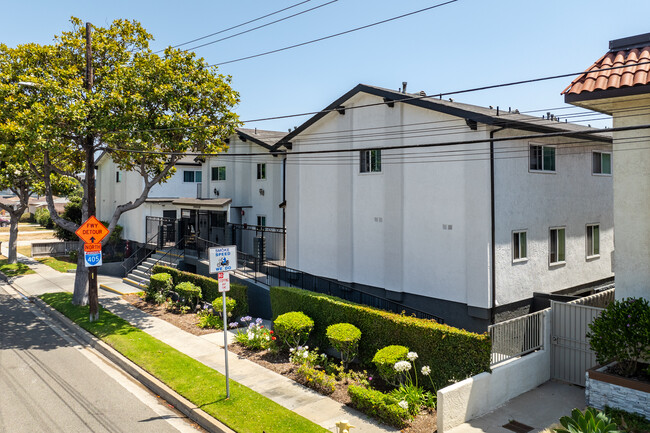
{"points": [[334, 35], [261, 26], [236, 26]]}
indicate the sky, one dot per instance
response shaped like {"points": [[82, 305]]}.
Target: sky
{"points": [[457, 46]]}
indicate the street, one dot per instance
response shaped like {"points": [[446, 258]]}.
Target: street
{"points": [[48, 382]]}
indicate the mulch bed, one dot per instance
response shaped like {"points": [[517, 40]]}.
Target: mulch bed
{"points": [[425, 422]]}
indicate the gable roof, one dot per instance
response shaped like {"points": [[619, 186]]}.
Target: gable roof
{"points": [[630, 60], [472, 113], [264, 138]]}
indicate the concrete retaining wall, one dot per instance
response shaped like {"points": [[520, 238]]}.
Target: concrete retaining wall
{"points": [[481, 394]]}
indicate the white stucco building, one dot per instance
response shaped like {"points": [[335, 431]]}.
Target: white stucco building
{"points": [[207, 196], [429, 203], [618, 84]]}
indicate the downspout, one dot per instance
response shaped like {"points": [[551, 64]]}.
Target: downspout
{"points": [[284, 208], [493, 273]]}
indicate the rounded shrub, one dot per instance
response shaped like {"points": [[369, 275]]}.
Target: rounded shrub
{"points": [[620, 334], [293, 328], [385, 359], [189, 293], [217, 306], [160, 283], [345, 338]]}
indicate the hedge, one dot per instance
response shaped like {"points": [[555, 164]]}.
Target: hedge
{"points": [[378, 405], [209, 288], [453, 354]]}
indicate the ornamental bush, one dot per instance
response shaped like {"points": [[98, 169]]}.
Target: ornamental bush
{"points": [[317, 379], [455, 353], [344, 337], [210, 288], [160, 283], [379, 405], [622, 334], [385, 360], [217, 306], [293, 328], [189, 293]]}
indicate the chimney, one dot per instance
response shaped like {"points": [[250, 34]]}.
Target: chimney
{"points": [[403, 86]]}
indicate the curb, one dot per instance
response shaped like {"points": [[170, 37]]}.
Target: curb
{"points": [[188, 408], [110, 289]]}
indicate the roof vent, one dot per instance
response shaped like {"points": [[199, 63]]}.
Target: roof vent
{"points": [[423, 93], [404, 86], [638, 41]]}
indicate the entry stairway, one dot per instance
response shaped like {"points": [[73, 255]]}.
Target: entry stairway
{"points": [[139, 276]]}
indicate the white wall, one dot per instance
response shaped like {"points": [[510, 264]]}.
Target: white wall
{"points": [[481, 394], [111, 194], [571, 197], [386, 229]]}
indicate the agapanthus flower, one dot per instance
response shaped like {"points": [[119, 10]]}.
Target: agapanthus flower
{"points": [[401, 366], [426, 370], [403, 404], [411, 356]]}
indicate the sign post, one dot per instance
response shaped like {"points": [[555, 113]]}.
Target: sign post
{"points": [[221, 261], [92, 232]]}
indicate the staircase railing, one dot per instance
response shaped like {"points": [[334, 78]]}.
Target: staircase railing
{"points": [[138, 261], [170, 257]]}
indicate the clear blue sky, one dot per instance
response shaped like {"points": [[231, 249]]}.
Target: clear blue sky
{"points": [[466, 44]]}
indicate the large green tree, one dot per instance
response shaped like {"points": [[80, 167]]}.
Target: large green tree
{"points": [[145, 110]]}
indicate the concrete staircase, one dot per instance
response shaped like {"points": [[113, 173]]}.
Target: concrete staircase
{"points": [[139, 277]]}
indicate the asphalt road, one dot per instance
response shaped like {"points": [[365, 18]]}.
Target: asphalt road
{"points": [[49, 383]]}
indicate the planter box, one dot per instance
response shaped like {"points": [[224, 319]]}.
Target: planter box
{"points": [[606, 389]]}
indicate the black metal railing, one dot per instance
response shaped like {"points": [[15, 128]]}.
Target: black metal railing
{"points": [[140, 254], [171, 256]]}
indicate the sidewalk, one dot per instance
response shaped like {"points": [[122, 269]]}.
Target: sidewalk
{"points": [[207, 349]]}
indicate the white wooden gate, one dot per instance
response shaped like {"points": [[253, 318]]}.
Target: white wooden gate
{"points": [[571, 355]]}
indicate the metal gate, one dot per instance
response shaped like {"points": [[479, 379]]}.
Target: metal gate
{"points": [[571, 355]]}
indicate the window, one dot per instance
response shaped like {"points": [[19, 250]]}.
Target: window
{"points": [[601, 163], [261, 220], [557, 246], [519, 246], [542, 158], [593, 240], [192, 176], [370, 161], [118, 177], [261, 172], [218, 173]]}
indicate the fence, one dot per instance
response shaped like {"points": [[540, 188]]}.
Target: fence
{"points": [[40, 249], [600, 300], [517, 337]]}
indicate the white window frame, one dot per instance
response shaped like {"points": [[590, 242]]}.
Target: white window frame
{"points": [[517, 244], [219, 178], [194, 176], [590, 250], [370, 161], [557, 246], [593, 165], [261, 219], [543, 169], [261, 171]]}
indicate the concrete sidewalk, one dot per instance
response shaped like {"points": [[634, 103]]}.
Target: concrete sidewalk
{"points": [[207, 349]]}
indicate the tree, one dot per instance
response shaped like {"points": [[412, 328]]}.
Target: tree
{"points": [[145, 110]]}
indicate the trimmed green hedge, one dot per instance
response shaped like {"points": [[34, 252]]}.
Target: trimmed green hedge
{"points": [[378, 405], [453, 354], [210, 288]]}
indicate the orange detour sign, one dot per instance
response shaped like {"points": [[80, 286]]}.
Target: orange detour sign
{"points": [[92, 231]]}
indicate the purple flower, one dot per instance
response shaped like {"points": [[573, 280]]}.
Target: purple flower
{"points": [[628, 325], [233, 324], [369, 377]]}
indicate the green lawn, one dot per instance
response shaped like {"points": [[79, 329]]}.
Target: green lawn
{"points": [[245, 411], [15, 269], [61, 264]]}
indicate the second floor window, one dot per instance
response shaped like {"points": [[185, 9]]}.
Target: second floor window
{"points": [[593, 240], [261, 220], [601, 163], [192, 176], [118, 177], [370, 161], [218, 173], [519, 246], [261, 171], [542, 158]]}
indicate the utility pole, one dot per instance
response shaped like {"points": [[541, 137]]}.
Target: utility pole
{"points": [[89, 147]]}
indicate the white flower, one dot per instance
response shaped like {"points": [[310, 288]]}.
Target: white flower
{"points": [[291, 350], [403, 404], [426, 370], [412, 356], [402, 366], [250, 336], [305, 354], [267, 338]]}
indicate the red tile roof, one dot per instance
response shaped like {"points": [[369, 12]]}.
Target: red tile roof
{"points": [[633, 70]]}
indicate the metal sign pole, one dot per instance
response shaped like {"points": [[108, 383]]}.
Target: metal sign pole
{"points": [[225, 343]]}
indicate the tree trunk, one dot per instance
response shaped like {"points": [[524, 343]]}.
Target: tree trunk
{"points": [[13, 238], [80, 294]]}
